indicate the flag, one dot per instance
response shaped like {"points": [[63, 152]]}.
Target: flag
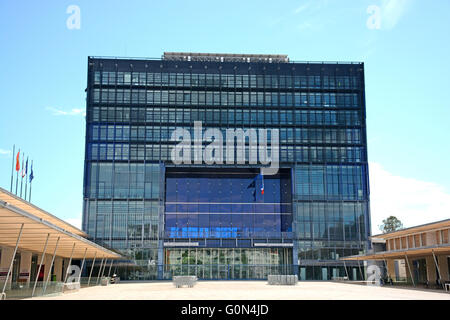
{"points": [[17, 161], [31, 173], [252, 185], [262, 183], [24, 170]]}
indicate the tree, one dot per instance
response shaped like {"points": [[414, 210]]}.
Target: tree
{"points": [[391, 224]]}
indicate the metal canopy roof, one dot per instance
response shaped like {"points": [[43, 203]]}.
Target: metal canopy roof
{"points": [[400, 254], [38, 212], [37, 225]]}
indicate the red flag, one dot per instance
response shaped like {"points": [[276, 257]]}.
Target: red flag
{"points": [[17, 162]]}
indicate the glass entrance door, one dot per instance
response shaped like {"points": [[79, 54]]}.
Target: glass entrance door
{"points": [[221, 263]]}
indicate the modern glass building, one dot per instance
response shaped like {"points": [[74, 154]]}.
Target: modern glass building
{"points": [[213, 220]]}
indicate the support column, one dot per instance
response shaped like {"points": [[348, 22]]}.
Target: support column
{"points": [[437, 266], [46, 266], [100, 270], [443, 267], [40, 265], [82, 266], [346, 272], [360, 271], [408, 264], [9, 271], [58, 268], [92, 268], [109, 272], [51, 265], [67, 263], [7, 254], [66, 270], [390, 266], [25, 268], [431, 270], [104, 267]]}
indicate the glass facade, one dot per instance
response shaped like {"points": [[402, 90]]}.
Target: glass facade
{"points": [[224, 206], [250, 263], [212, 220]]}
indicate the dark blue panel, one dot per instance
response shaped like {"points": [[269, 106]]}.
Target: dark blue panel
{"points": [[228, 205]]}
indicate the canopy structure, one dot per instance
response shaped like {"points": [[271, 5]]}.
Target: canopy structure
{"points": [[400, 254], [418, 241], [33, 229]]}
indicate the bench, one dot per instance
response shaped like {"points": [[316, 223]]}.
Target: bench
{"points": [[340, 278], [180, 281], [104, 281], [290, 280], [71, 286]]}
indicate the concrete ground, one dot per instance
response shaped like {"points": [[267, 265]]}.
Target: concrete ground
{"points": [[247, 290]]}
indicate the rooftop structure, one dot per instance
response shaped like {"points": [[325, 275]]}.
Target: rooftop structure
{"points": [[225, 57]]}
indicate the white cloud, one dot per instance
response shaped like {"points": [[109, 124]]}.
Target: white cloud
{"points": [[312, 6], [5, 152], [304, 26], [73, 112], [391, 12], [310, 13], [76, 222], [412, 201], [302, 8]]}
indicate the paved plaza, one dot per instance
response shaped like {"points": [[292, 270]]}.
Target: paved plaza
{"points": [[248, 290]]}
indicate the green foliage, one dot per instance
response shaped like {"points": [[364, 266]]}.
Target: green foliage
{"points": [[391, 224]]}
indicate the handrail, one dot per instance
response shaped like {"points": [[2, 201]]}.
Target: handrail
{"points": [[288, 62]]}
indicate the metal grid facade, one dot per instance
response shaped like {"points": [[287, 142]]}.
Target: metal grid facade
{"points": [[133, 106]]}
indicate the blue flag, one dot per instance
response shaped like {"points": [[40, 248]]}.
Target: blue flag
{"points": [[252, 185], [31, 174]]}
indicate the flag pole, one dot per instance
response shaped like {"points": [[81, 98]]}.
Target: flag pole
{"points": [[31, 182], [17, 174], [12, 168], [21, 175], [262, 179], [26, 180]]}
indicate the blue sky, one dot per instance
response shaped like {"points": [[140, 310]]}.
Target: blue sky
{"points": [[43, 77]]}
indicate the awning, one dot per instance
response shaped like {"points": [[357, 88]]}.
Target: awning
{"points": [[400, 254], [38, 225], [38, 212]]}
